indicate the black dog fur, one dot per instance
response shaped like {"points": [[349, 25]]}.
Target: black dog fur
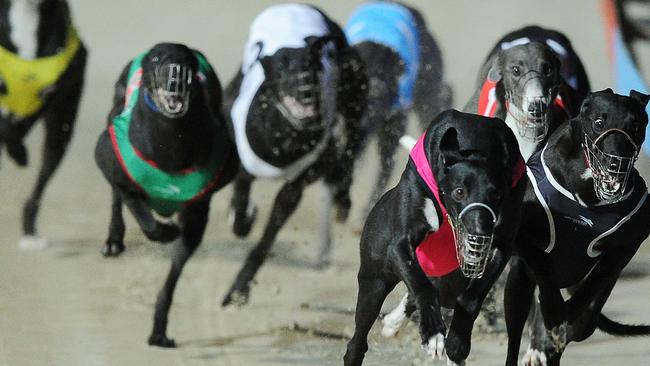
{"points": [[532, 266], [454, 144], [175, 145], [431, 95], [270, 131], [59, 113]]}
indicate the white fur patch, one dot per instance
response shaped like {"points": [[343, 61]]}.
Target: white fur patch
{"points": [[431, 214], [31, 242], [394, 320], [435, 346], [24, 18], [527, 148], [407, 142], [587, 174], [534, 357]]}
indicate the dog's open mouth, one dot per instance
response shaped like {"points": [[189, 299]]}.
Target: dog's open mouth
{"points": [[297, 109], [531, 114], [610, 172]]}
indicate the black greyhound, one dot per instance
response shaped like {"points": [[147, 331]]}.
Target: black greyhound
{"points": [[295, 109], [166, 149], [42, 63], [404, 68], [586, 213], [462, 185], [524, 62]]}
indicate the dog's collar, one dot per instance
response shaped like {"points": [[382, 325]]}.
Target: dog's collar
{"points": [[149, 102]]}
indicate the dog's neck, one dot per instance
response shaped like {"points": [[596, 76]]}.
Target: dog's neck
{"points": [[33, 28], [526, 147], [566, 161], [173, 144]]}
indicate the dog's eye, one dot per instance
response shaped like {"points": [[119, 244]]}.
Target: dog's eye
{"points": [[458, 194], [599, 125], [516, 71]]}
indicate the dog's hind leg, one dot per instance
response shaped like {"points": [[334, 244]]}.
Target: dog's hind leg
{"points": [[517, 299], [393, 321], [193, 220], [323, 258], [115, 243], [372, 293], [242, 212], [284, 205]]}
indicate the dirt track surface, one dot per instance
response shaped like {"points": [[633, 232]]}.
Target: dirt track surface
{"points": [[66, 305]]}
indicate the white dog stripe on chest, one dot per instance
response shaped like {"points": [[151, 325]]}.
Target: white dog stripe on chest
{"points": [[430, 214], [24, 19]]}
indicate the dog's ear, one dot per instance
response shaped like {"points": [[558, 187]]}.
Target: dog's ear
{"points": [[640, 97], [266, 64], [494, 74], [608, 91], [449, 147]]}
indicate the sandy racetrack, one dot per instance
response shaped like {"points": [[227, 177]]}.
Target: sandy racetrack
{"points": [[66, 305]]}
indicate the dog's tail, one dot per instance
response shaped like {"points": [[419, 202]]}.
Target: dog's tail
{"points": [[407, 142], [612, 327]]}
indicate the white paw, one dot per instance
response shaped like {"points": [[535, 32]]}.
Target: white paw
{"points": [[452, 363], [31, 242], [393, 321], [534, 357], [435, 347], [407, 142]]}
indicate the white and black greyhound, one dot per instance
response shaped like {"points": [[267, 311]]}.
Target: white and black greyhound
{"points": [[295, 109], [405, 73], [42, 63]]}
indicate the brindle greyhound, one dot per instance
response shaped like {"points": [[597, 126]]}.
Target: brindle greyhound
{"points": [[42, 64], [166, 149], [295, 109]]}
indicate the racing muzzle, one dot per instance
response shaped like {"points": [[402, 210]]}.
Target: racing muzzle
{"points": [[170, 89], [610, 172], [530, 112], [299, 98], [472, 249]]}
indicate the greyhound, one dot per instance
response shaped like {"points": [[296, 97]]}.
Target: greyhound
{"points": [[404, 67], [42, 64], [585, 215], [295, 109], [453, 216], [166, 150], [524, 62]]}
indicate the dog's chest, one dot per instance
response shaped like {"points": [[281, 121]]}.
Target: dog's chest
{"points": [[527, 148]]}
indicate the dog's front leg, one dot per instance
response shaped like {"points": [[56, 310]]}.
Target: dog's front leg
{"points": [[242, 212], [285, 204], [432, 326], [115, 243], [154, 230], [468, 306], [193, 220]]}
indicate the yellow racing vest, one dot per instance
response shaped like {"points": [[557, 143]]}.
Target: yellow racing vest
{"points": [[25, 80]]}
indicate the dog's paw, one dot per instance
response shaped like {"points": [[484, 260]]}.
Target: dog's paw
{"points": [[164, 233], [534, 357], [241, 226], [18, 153], [394, 320], [435, 346], [161, 340], [452, 363], [31, 242], [236, 297], [458, 345], [112, 249]]}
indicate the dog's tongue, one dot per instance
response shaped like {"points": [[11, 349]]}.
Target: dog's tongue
{"points": [[611, 186]]}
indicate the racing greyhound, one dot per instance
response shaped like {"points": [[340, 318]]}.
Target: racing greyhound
{"points": [[404, 68], [295, 109], [42, 64], [457, 205], [166, 150], [586, 213]]}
